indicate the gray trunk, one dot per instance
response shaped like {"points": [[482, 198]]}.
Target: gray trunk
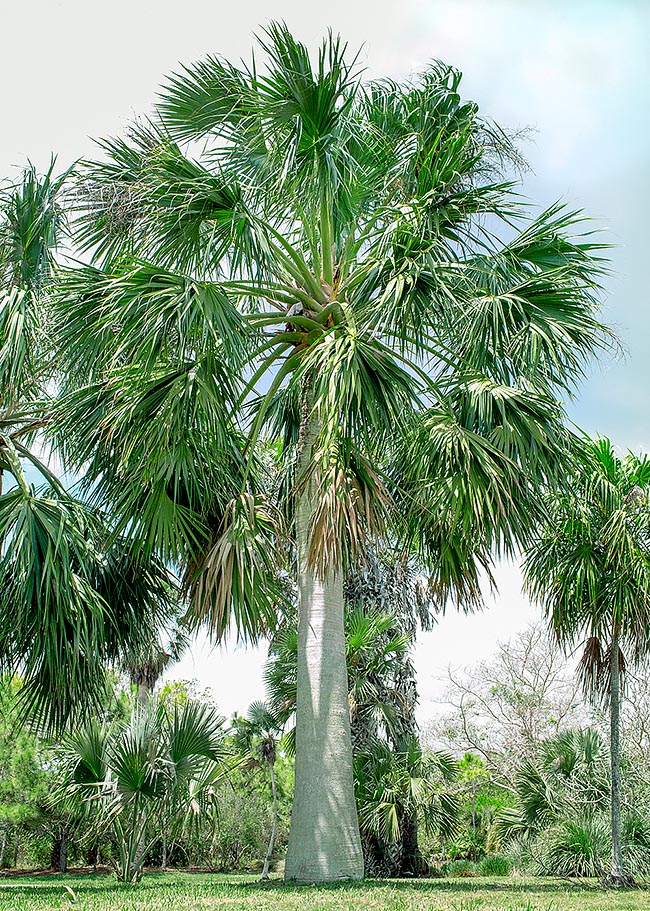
{"points": [[63, 851], [617, 872], [274, 828], [324, 842]]}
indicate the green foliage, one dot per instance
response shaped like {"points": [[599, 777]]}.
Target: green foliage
{"points": [[462, 868], [241, 838], [495, 865], [590, 568], [23, 779], [575, 847], [329, 237], [163, 766], [72, 596], [322, 252], [560, 821], [590, 563], [393, 784]]}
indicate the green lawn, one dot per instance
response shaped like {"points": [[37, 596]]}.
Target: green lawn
{"points": [[187, 892]]}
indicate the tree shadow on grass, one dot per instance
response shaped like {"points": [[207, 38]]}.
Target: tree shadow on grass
{"points": [[467, 885], [88, 885]]}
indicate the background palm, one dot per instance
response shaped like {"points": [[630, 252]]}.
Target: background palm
{"points": [[374, 651], [590, 568], [149, 655], [329, 272], [72, 597], [393, 785], [257, 736]]}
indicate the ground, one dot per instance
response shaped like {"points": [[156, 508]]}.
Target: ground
{"points": [[202, 892]]}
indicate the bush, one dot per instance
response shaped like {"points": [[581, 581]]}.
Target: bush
{"points": [[243, 830], [578, 847], [438, 871], [495, 865]]}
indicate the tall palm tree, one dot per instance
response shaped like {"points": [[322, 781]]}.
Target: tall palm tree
{"points": [[287, 252], [589, 567]]}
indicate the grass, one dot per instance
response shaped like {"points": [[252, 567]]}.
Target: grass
{"points": [[202, 892]]}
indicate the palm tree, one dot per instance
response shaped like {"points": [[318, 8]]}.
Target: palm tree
{"points": [[31, 224], [154, 772], [589, 567], [147, 659], [385, 583], [72, 595], [258, 735], [386, 580], [290, 253]]}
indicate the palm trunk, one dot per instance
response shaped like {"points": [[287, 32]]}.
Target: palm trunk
{"points": [[63, 851], [324, 842], [274, 828], [617, 875], [412, 861]]}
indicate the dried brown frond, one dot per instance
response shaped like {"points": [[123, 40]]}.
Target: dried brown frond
{"points": [[593, 668], [351, 502]]}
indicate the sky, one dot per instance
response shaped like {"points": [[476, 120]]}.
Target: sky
{"points": [[575, 73]]}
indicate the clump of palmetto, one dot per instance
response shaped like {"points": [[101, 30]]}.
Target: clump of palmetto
{"points": [[159, 771], [560, 822]]}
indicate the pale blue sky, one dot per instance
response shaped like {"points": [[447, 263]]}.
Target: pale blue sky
{"points": [[578, 73]]}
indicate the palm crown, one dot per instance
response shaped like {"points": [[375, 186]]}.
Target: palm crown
{"points": [[336, 236]]}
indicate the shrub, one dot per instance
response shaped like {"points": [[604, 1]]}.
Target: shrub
{"points": [[438, 871], [636, 844], [495, 865], [242, 835], [577, 847]]}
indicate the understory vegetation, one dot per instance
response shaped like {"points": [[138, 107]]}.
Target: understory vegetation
{"points": [[168, 783]]}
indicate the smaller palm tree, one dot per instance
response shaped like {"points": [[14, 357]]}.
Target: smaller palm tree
{"points": [[375, 653], [161, 769], [396, 785], [590, 568], [148, 657], [257, 736]]}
